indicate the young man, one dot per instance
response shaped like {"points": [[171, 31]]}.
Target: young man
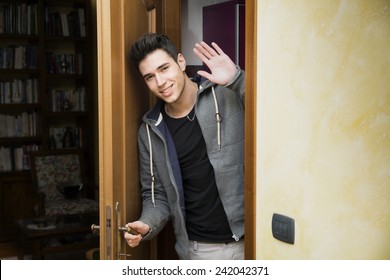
{"points": [[191, 151]]}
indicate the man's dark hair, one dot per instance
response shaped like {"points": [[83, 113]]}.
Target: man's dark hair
{"points": [[148, 44]]}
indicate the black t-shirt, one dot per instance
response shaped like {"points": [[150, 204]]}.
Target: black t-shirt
{"points": [[205, 216]]}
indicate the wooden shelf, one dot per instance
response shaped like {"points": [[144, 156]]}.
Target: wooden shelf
{"points": [[18, 37]]}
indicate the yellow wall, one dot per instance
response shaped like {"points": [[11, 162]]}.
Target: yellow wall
{"points": [[323, 133]]}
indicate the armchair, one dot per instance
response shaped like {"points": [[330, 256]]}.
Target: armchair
{"points": [[60, 184]]}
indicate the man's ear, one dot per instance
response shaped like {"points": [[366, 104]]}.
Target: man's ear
{"points": [[181, 61]]}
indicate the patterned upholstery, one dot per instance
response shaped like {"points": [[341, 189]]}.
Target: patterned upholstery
{"points": [[53, 171]]}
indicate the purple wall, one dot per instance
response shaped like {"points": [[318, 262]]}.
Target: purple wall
{"points": [[224, 24]]}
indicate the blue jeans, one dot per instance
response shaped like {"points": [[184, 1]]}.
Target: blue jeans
{"points": [[216, 251]]}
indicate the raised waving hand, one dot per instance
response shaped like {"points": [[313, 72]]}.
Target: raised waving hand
{"points": [[221, 66]]}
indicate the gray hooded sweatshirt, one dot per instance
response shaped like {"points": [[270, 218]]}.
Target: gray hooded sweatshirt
{"points": [[220, 113]]}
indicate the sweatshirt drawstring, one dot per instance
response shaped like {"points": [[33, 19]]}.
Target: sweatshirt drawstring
{"points": [[218, 119], [151, 163]]}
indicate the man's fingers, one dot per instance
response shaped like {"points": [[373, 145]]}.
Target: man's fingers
{"points": [[204, 74], [217, 48], [198, 53], [132, 240], [205, 52]]}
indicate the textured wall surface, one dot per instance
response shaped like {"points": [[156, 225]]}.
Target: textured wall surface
{"points": [[323, 132]]}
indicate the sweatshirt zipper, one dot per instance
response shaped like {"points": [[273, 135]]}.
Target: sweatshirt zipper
{"points": [[173, 181]]}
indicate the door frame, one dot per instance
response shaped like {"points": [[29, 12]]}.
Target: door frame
{"points": [[117, 142], [250, 127]]}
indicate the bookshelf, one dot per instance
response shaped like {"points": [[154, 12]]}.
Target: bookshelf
{"points": [[46, 90]]}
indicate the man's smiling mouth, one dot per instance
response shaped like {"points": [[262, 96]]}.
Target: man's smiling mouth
{"points": [[166, 91]]}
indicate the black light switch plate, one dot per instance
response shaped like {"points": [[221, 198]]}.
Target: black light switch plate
{"points": [[283, 228]]}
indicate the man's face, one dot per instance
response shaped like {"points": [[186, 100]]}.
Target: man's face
{"points": [[163, 75]]}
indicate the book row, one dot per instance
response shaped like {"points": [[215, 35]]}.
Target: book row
{"points": [[65, 137], [19, 125], [68, 100], [16, 158], [65, 23], [18, 57], [19, 91], [64, 63], [18, 18]]}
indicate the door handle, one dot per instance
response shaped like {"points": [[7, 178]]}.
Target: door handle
{"points": [[96, 228]]}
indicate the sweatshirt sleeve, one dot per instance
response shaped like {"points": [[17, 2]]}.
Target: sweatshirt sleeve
{"points": [[237, 84], [154, 216]]}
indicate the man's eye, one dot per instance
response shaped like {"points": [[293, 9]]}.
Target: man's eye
{"points": [[148, 78], [164, 68]]}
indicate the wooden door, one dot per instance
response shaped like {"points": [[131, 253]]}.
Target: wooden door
{"points": [[123, 99], [250, 127]]}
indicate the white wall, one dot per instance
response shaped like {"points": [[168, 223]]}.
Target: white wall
{"points": [[192, 26], [323, 134]]}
